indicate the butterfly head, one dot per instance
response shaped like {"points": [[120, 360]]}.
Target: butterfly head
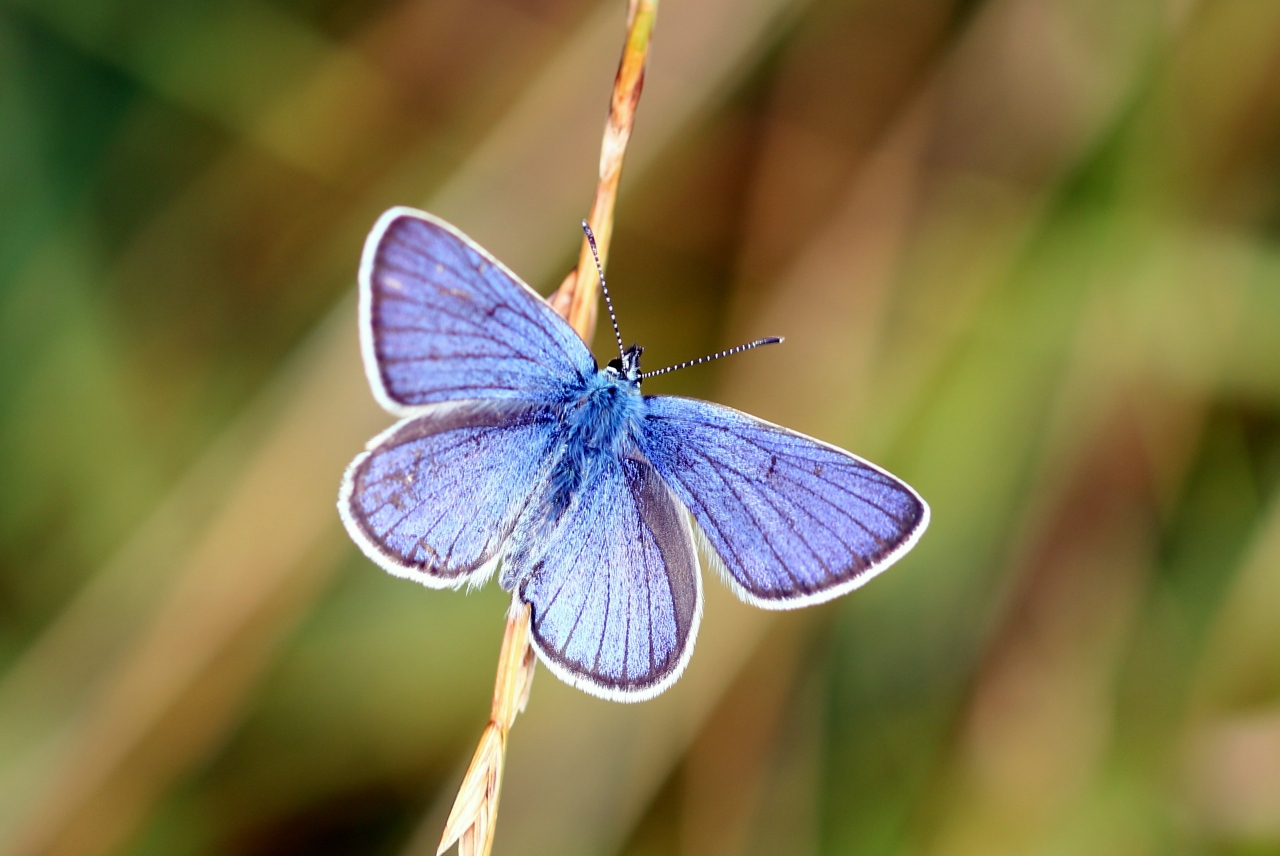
{"points": [[627, 367]]}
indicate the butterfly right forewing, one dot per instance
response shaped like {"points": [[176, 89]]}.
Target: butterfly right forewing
{"points": [[793, 520]]}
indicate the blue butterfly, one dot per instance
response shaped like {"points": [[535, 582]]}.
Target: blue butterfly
{"points": [[514, 446]]}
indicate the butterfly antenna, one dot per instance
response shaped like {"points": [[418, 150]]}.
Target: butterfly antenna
{"points": [[770, 340], [595, 254]]}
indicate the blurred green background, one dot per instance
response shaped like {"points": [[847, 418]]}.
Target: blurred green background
{"points": [[1024, 252]]}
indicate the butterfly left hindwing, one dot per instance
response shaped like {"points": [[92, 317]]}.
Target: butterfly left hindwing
{"points": [[436, 496]]}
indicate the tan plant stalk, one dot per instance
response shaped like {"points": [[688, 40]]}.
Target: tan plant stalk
{"points": [[578, 295], [473, 819]]}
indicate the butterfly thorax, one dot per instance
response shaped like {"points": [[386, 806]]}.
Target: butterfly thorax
{"points": [[600, 422]]}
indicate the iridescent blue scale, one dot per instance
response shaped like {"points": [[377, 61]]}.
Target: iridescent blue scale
{"points": [[515, 448]]}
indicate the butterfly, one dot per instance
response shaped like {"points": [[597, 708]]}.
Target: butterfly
{"points": [[515, 448]]}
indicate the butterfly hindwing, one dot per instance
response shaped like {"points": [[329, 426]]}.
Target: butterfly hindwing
{"points": [[442, 320], [436, 495], [793, 520], [614, 585]]}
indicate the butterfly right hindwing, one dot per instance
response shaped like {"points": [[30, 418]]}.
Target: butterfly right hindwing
{"points": [[614, 586]]}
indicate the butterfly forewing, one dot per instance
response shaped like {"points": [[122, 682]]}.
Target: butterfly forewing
{"points": [[434, 497], [614, 586], [442, 320], [794, 521]]}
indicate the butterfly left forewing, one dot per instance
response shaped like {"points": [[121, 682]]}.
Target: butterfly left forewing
{"points": [[442, 320], [793, 520], [614, 586]]}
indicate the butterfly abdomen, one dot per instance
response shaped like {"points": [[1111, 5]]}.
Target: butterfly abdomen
{"points": [[598, 425]]}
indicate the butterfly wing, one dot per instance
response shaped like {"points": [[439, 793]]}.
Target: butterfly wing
{"points": [[442, 320], [614, 586], [434, 497], [795, 521]]}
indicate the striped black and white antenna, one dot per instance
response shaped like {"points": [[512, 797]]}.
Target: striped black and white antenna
{"points": [[768, 340], [595, 254], [617, 334]]}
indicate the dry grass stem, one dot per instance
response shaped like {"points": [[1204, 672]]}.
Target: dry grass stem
{"points": [[473, 819], [471, 822], [577, 297]]}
